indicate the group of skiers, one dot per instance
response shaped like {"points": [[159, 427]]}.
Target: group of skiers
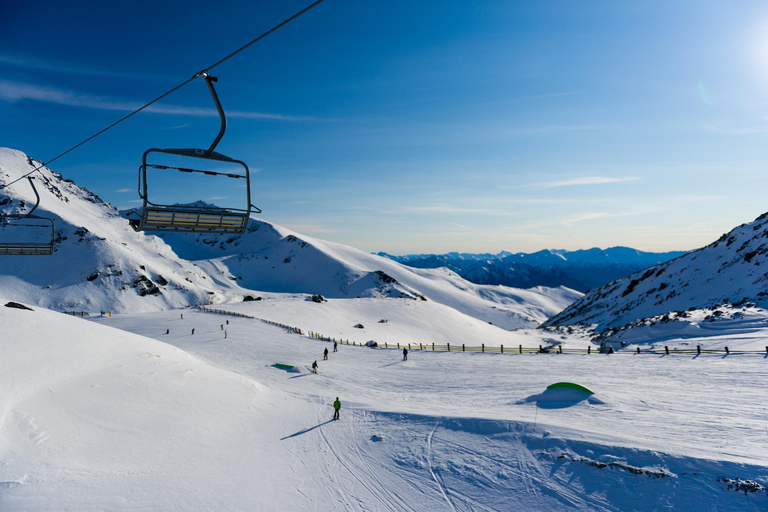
{"points": [[337, 403], [168, 331]]}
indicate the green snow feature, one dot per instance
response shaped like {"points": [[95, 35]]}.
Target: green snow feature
{"points": [[570, 385]]}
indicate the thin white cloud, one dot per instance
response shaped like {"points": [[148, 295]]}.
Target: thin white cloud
{"points": [[462, 226], [586, 180], [586, 216], [70, 68], [549, 95], [310, 228], [124, 190], [17, 91]]}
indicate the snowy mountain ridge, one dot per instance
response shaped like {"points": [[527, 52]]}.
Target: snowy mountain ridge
{"points": [[100, 263], [732, 270]]}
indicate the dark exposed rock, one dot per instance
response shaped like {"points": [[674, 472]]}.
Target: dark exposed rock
{"points": [[16, 305], [144, 286]]}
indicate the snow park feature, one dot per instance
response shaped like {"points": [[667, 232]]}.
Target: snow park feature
{"points": [[569, 385]]}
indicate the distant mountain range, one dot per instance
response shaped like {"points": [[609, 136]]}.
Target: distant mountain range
{"points": [[731, 271], [580, 270]]}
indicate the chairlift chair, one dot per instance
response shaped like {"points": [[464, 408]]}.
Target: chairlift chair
{"points": [[23, 225], [188, 218]]}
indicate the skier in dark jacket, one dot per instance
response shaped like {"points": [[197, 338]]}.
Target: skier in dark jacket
{"points": [[325, 354], [336, 407], [405, 354], [314, 367], [334, 346]]}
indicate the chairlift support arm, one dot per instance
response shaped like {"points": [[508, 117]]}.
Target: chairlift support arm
{"points": [[209, 81]]}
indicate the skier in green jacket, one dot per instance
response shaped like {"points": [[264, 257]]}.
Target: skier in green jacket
{"points": [[336, 407]]}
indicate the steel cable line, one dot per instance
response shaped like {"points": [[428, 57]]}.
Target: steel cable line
{"points": [[196, 75]]}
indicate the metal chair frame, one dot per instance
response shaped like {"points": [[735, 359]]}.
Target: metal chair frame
{"points": [[192, 219], [28, 248]]}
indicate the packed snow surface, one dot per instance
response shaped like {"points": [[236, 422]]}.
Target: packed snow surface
{"points": [[96, 418]]}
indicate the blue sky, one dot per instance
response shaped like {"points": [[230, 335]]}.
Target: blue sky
{"points": [[426, 126]]}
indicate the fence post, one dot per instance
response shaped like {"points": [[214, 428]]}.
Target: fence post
{"points": [[638, 350], [502, 349], [462, 347], [420, 347], [540, 350], [385, 345], [727, 351], [433, 347], [560, 349], [766, 350], [589, 349], [698, 349], [449, 347], [409, 346], [483, 347], [666, 349], [398, 344]]}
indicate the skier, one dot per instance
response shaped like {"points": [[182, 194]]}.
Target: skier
{"points": [[325, 354], [222, 327], [167, 331], [193, 331], [227, 322], [314, 367], [334, 346], [405, 354], [225, 334], [182, 316], [336, 407]]}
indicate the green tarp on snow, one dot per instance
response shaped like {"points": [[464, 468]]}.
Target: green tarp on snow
{"points": [[570, 385]]}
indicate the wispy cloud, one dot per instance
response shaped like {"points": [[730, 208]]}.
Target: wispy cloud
{"points": [[17, 91], [462, 226], [549, 95], [70, 68], [721, 128], [586, 180], [310, 228], [124, 190]]}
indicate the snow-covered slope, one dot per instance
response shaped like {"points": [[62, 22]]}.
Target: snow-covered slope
{"points": [[94, 418], [734, 270], [273, 258], [99, 263], [102, 264]]}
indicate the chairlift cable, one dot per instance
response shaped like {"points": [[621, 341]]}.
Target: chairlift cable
{"points": [[196, 75]]}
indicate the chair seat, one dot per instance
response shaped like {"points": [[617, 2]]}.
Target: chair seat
{"points": [[26, 249], [186, 220]]}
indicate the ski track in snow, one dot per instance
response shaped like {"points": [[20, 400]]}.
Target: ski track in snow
{"points": [[435, 476]]}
